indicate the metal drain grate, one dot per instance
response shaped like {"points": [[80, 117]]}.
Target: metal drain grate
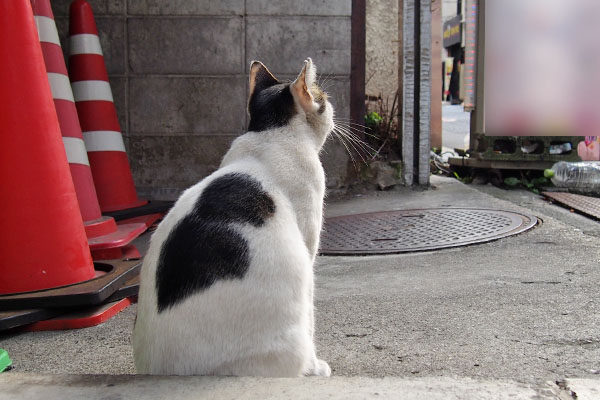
{"points": [[585, 204], [416, 230]]}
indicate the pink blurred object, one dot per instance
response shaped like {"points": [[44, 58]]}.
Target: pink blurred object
{"points": [[589, 149]]}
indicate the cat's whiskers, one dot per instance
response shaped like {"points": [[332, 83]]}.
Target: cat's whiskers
{"points": [[356, 130], [350, 121], [360, 129], [353, 132], [322, 84], [346, 142], [355, 141], [341, 139], [349, 137]]}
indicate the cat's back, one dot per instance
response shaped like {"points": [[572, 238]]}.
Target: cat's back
{"points": [[203, 278]]}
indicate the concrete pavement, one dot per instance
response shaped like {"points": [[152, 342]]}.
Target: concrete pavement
{"points": [[124, 387], [515, 313]]}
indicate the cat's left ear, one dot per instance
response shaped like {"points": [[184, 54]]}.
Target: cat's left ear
{"points": [[299, 87], [260, 77]]}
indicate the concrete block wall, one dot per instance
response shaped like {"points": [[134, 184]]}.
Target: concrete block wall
{"points": [[179, 69]]}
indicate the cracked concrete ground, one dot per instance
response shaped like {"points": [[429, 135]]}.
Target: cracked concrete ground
{"points": [[523, 309]]}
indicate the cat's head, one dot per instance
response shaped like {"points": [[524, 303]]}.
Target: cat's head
{"points": [[274, 104]]}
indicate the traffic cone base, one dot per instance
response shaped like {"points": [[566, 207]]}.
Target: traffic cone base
{"points": [[148, 219], [16, 318], [148, 213], [63, 318], [90, 292], [100, 227], [81, 319], [116, 245], [128, 252]]}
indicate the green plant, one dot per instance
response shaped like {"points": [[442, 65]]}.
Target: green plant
{"points": [[381, 122], [372, 120], [533, 184], [466, 179]]}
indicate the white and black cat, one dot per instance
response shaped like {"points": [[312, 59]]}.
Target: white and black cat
{"points": [[227, 284]]}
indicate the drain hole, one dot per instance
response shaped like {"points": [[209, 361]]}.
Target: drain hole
{"points": [[532, 147], [560, 148], [505, 146]]}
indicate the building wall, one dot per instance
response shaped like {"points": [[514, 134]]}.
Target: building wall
{"points": [[382, 49], [449, 11], [179, 70]]}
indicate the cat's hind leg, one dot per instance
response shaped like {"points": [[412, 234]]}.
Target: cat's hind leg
{"points": [[317, 368]]}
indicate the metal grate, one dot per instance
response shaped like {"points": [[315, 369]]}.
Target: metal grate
{"points": [[585, 204], [416, 230]]}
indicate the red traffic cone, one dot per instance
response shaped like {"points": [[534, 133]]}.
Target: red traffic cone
{"points": [[66, 111], [97, 113], [103, 232], [42, 239]]}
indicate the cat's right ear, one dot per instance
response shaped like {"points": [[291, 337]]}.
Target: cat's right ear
{"points": [[260, 77], [300, 87]]}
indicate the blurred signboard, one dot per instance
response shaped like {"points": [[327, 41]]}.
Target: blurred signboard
{"points": [[452, 32], [542, 63]]}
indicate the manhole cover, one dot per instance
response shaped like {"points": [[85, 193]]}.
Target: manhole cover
{"points": [[416, 230]]}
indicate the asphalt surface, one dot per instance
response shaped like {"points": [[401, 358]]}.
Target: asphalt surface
{"points": [[455, 127], [523, 309]]}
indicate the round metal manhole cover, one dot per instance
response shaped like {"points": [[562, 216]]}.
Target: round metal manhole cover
{"points": [[417, 230]]}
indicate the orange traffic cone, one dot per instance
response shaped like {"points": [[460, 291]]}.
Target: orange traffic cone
{"points": [[66, 111], [45, 261], [97, 113], [42, 239], [107, 240]]}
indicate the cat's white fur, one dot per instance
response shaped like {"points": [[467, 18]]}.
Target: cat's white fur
{"points": [[262, 324]]}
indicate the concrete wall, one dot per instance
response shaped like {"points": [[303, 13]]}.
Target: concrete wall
{"points": [[382, 48], [179, 69], [436, 74]]}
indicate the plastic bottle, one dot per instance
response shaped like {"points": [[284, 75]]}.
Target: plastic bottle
{"points": [[583, 176], [560, 148]]}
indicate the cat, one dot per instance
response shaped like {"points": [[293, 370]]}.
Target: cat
{"points": [[227, 283]]}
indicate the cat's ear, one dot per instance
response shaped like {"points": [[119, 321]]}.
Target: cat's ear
{"points": [[260, 77], [299, 87]]}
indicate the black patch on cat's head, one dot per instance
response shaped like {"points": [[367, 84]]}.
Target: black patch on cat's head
{"points": [[204, 246], [271, 103]]}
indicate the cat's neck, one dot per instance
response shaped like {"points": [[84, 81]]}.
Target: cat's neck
{"points": [[287, 160], [294, 144]]}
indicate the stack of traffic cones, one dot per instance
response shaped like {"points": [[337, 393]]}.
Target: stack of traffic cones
{"points": [[45, 258], [107, 240], [97, 113], [101, 131]]}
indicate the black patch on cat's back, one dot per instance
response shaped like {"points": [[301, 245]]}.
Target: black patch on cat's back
{"points": [[204, 246], [271, 107]]}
